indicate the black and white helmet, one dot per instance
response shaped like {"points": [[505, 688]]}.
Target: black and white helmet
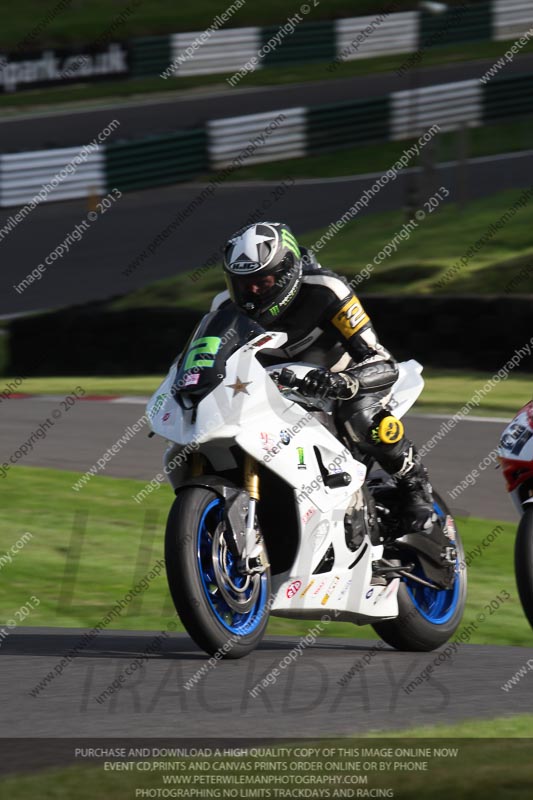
{"points": [[263, 269]]}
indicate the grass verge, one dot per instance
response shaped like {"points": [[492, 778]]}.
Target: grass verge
{"points": [[445, 391], [416, 267], [122, 539]]}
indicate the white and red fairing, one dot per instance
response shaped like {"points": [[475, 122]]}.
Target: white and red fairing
{"points": [[516, 457]]}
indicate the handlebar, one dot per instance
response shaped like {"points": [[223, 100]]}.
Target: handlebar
{"points": [[289, 379]]}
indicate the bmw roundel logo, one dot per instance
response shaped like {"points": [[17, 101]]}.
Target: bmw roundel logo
{"points": [[285, 437]]}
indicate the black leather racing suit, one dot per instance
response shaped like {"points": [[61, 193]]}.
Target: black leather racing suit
{"points": [[327, 326]]}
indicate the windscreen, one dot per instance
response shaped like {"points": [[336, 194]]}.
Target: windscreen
{"points": [[203, 364]]}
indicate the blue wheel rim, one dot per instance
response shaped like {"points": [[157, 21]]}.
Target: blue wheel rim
{"points": [[241, 623], [436, 605]]}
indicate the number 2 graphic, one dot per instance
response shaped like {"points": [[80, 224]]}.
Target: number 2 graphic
{"points": [[206, 346]]}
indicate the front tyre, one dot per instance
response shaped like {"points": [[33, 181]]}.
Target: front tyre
{"points": [[223, 611], [427, 618], [523, 561]]}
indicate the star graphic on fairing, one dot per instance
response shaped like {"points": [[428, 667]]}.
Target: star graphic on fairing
{"points": [[239, 387], [250, 244]]}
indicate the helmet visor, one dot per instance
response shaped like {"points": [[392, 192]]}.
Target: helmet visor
{"points": [[258, 291]]}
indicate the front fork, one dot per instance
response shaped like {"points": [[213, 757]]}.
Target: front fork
{"points": [[254, 555]]}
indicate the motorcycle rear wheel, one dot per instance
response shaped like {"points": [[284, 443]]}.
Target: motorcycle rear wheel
{"points": [[523, 561], [427, 618], [224, 612]]}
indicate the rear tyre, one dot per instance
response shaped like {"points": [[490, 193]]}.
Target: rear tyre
{"points": [[223, 612], [523, 562], [427, 618]]}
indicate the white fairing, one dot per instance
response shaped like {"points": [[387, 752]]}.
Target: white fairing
{"points": [[516, 444], [249, 410]]}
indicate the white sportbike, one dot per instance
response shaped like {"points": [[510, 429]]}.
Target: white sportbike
{"points": [[274, 515]]}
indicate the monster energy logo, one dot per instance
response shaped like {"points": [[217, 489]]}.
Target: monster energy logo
{"points": [[290, 242], [274, 311], [301, 458]]}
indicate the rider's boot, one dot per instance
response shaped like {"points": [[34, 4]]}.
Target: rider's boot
{"points": [[416, 494]]}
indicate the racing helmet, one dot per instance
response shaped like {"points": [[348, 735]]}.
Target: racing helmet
{"points": [[263, 270]]}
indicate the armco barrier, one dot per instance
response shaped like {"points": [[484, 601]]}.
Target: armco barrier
{"points": [[511, 18], [269, 136], [434, 330], [447, 105], [229, 138], [156, 160], [224, 51], [149, 55], [227, 50], [367, 37], [23, 175], [309, 41], [457, 24], [507, 97], [345, 124]]}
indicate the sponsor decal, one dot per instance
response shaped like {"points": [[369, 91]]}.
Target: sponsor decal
{"points": [[285, 437], [330, 590], [293, 589], [268, 440], [308, 514], [369, 594], [167, 417], [239, 387], [350, 318], [191, 379], [159, 400], [311, 583], [319, 588], [449, 528], [62, 65], [319, 534], [301, 458], [263, 341], [515, 437], [390, 430], [344, 589]]}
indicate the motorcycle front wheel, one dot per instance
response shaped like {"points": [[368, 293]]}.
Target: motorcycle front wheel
{"points": [[223, 611], [427, 618], [523, 561]]}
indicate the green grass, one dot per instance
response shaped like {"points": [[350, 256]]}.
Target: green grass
{"points": [[485, 766], [520, 726], [84, 20], [445, 391], [270, 76], [42, 502], [140, 385], [441, 239]]}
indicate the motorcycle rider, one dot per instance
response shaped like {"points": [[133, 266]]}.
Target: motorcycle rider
{"points": [[281, 285]]}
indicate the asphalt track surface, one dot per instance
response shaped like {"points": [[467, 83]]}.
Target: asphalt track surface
{"points": [[94, 267], [191, 108], [306, 700]]}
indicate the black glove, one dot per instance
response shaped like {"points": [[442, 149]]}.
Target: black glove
{"points": [[325, 384]]}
